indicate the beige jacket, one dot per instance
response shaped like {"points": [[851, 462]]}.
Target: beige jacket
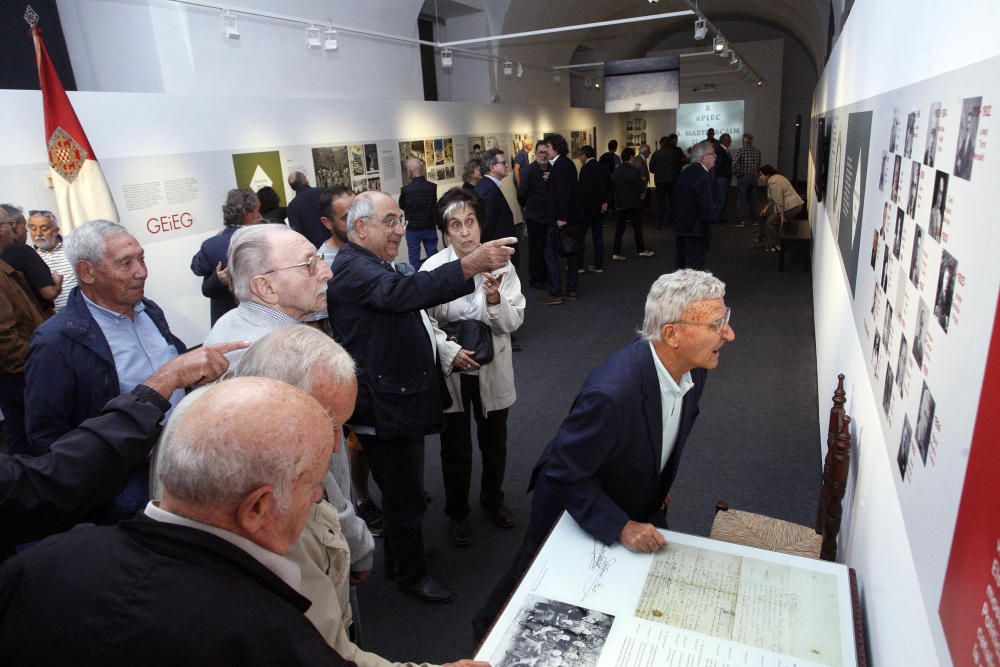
{"points": [[496, 379], [781, 194]]}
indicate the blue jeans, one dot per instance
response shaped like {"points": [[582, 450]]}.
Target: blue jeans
{"points": [[414, 238], [747, 192], [721, 196]]}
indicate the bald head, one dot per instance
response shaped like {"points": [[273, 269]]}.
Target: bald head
{"points": [[297, 180], [414, 167]]}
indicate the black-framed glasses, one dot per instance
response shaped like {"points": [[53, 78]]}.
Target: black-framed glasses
{"points": [[312, 265], [392, 222], [718, 324]]}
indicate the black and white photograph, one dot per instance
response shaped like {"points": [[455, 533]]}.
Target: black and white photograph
{"points": [[897, 237], [476, 146], [894, 131], [925, 420], [876, 352], [920, 332], [371, 159], [357, 160], [886, 219], [918, 240], [945, 289], [449, 151], [332, 166], [901, 365], [887, 389], [911, 126], [938, 204], [933, 130], [903, 455], [965, 151], [897, 166], [885, 272], [374, 183], [492, 142], [887, 326], [449, 172], [874, 248], [911, 199], [548, 632], [884, 172]]}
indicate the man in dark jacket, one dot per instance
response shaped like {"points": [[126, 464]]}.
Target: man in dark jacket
{"points": [[666, 166], [723, 175], [499, 221], [562, 182], [628, 186], [202, 577], [303, 211], [535, 196], [417, 199], [105, 341], [693, 205], [44, 285], [592, 192], [380, 321]]}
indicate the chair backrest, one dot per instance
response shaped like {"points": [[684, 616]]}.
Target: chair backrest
{"points": [[833, 430], [840, 466]]}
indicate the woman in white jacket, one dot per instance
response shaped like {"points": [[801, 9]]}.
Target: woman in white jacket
{"points": [[485, 391]]}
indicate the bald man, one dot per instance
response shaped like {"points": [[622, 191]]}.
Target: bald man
{"points": [[202, 576], [417, 199], [304, 209]]}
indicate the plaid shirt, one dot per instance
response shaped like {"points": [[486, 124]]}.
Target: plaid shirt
{"points": [[747, 160]]}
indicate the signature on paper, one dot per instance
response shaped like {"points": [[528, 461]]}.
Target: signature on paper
{"points": [[599, 564]]}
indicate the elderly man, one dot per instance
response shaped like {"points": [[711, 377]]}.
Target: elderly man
{"points": [[499, 222], [19, 317], [616, 454], [277, 277], [202, 577], [303, 210], [107, 339], [535, 196], [380, 320], [746, 162], [23, 258], [693, 208], [44, 228], [242, 207], [417, 199]]}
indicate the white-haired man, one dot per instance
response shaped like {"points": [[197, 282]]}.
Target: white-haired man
{"points": [[278, 279], [614, 458], [693, 208], [380, 321], [44, 229]]}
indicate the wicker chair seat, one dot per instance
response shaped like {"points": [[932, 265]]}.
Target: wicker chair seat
{"points": [[764, 532]]}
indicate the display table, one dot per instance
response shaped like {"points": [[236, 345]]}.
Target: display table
{"points": [[696, 603]]}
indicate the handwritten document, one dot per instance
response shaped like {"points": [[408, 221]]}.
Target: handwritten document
{"points": [[763, 604], [600, 563]]}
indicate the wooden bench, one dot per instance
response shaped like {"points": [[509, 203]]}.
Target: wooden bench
{"points": [[796, 234]]}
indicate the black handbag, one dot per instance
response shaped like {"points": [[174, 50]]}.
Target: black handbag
{"points": [[566, 243], [473, 335]]}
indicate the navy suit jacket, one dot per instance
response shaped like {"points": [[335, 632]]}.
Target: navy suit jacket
{"points": [[603, 465], [693, 201], [499, 221], [563, 182], [417, 200], [592, 189], [304, 216]]}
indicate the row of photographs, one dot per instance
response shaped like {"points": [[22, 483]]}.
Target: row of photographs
{"points": [[939, 197], [965, 147], [350, 166]]}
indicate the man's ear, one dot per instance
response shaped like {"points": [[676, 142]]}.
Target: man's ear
{"points": [[261, 287], [85, 272], [668, 334], [255, 509], [327, 222]]}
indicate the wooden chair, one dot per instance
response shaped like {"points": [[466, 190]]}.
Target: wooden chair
{"points": [[819, 541]]}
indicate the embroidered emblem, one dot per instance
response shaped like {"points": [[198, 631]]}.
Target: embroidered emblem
{"points": [[65, 155]]}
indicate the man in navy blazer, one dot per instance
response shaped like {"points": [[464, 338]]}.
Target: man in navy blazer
{"points": [[303, 211], [693, 208], [615, 456], [499, 221]]}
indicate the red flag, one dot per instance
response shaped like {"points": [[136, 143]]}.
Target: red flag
{"points": [[81, 192]]}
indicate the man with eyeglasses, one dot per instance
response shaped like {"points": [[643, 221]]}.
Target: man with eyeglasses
{"points": [[378, 316], [615, 456], [499, 221], [278, 279], [44, 228]]}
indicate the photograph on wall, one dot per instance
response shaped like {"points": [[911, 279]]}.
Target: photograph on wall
{"points": [[887, 326], [820, 149], [875, 244], [375, 183], [887, 387], [897, 238], [357, 153], [911, 200], [255, 170], [903, 455], [548, 632], [332, 166], [918, 240], [894, 132], [911, 125], [945, 289], [876, 351], [492, 141], [920, 332], [901, 365], [449, 151], [577, 140], [449, 172], [476, 146], [884, 173], [371, 159], [438, 152], [925, 421], [933, 131], [429, 151], [885, 273], [859, 128], [897, 166], [938, 205], [522, 141], [965, 151]]}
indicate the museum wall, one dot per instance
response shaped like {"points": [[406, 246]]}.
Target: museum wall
{"points": [[883, 261]]}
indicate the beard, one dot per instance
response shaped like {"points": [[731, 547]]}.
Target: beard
{"points": [[339, 234]]}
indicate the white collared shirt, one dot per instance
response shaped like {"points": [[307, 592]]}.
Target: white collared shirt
{"points": [[671, 400], [282, 567]]}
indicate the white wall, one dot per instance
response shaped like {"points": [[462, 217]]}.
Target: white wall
{"points": [[873, 55]]}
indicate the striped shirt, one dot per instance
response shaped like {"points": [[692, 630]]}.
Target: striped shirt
{"points": [[58, 263], [747, 161]]}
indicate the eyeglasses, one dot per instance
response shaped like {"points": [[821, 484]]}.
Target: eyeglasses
{"points": [[718, 324], [312, 265], [392, 222]]}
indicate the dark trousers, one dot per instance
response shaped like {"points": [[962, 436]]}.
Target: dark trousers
{"points": [[456, 452], [662, 205], [552, 265], [746, 191], [721, 196], [629, 216], [537, 272], [692, 252], [414, 237], [596, 228], [12, 404], [398, 468]]}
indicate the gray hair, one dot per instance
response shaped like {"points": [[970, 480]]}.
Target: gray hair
{"points": [[14, 213], [701, 149], [211, 467], [250, 251], [490, 158], [672, 294], [89, 241], [363, 207], [46, 214], [238, 202], [414, 167], [292, 355]]}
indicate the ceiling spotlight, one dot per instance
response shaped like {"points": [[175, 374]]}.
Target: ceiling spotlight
{"points": [[760, 82], [313, 37], [508, 68], [719, 44], [700, 28], [446, 58], [330, 39], [597, 84], [556, 77], [229, 27]]}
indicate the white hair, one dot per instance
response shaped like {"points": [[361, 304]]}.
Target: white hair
{"points": [[293, 354], [363, 207], [250, 251], [89, 241], [672, 294], [701, 149]]}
